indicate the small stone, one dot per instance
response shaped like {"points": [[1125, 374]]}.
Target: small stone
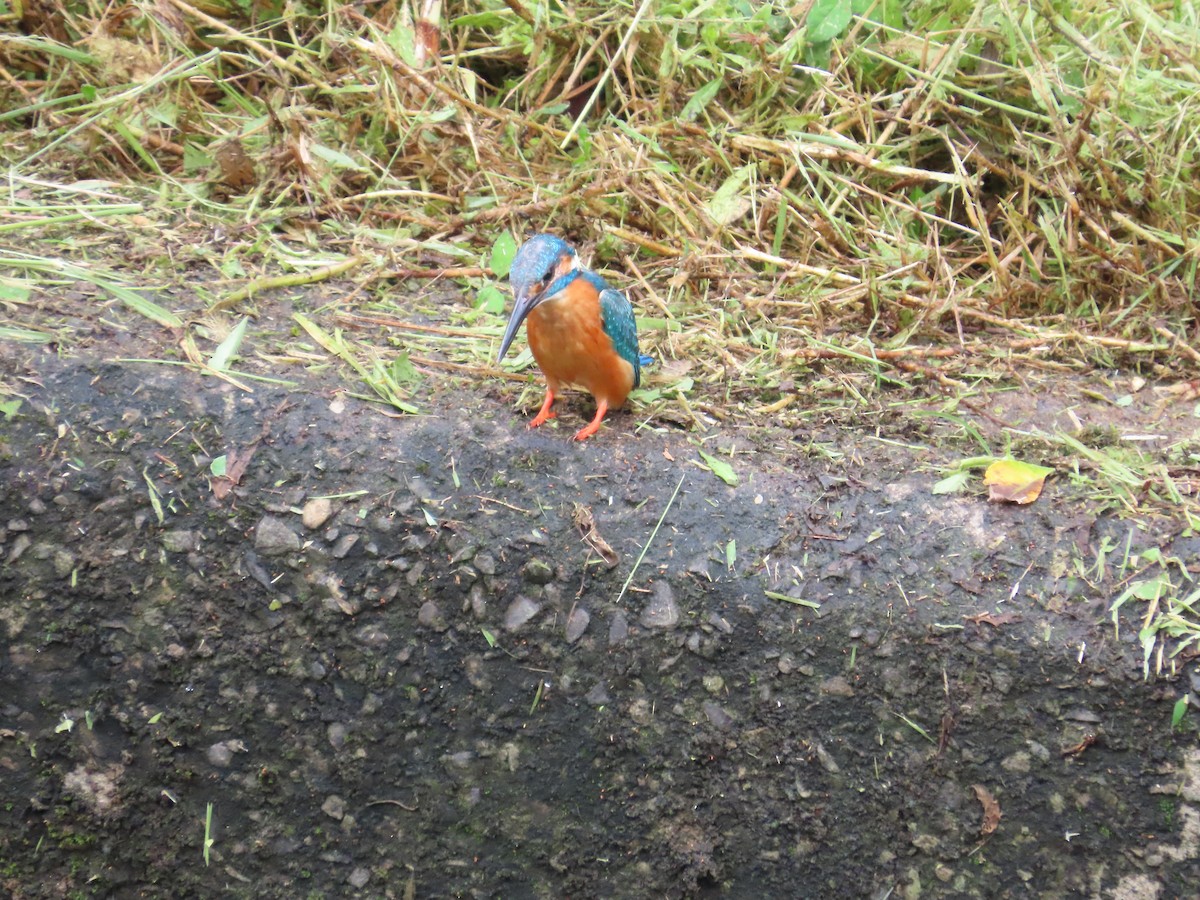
{"points": [[661, 611], [430, 616], [1019, 763], [22, 543], [719, 718], [372, 636], [519, 612], [413, 575], [720, 623], [714, 684], [344, 545], [336, 732], [63, 562], [786, 664], [220, 755], [618, 629], [180, 541], [825, 758], [641, 711], [577, 624], [359, 877], [334, 807], [316, 513], [460, 760], [538, 571], [837, 686], [273, 537], [1038, 751], [485, 563], [464, 554], [478, 602], [598, 695]]}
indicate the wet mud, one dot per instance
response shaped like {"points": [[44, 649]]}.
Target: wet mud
{"points": [[377, 658]]}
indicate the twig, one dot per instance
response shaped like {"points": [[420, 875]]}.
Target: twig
{"points": [[278, 281], [257, 46], [612, 64], [1180, 345]]}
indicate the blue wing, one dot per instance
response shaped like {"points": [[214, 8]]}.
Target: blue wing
{"points": [[617, 313]]}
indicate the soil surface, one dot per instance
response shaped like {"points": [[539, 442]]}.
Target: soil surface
{"points": [[377, 659]]}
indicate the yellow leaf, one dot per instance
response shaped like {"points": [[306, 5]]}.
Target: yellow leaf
{"points": [[1013, 481]]}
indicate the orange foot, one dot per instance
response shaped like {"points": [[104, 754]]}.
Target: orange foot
{"points": [[592, 427], [545, 412]]}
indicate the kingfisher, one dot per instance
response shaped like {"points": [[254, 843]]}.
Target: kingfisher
{"points": [[581, 330]]}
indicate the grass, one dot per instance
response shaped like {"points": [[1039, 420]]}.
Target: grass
{"points": [[818, 208]]}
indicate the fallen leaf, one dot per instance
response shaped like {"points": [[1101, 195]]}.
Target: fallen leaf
{"points": [[1077, 749], [952, 484], [586, 523], [720, 468], [729, 202], [1013, 481], [991, 809], [237, 169], [993, 619]]}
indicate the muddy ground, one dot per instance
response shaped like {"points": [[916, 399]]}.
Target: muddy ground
{"points": [[389, 665]]}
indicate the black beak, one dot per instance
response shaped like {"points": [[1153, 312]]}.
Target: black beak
{"points": [[524, 305]]}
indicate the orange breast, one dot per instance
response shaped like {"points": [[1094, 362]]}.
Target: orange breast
{"points": [[567, 338]]}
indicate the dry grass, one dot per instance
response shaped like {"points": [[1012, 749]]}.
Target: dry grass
{"points": [[917, 190]]}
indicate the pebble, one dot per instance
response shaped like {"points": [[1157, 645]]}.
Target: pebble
{"points": [[577, 624], [273, 537], [180, 540], [538, 571], [825, 758], [20, 545], [641, 711], [720, 623], [479, 602], [316, 513], [519, 612], [334, 807], [344, 545], [661, 611], [837, 686], [430, 616], [1019, 763], [719, 718], [598, 695], [336, 732], [220, 755], [618, 629]]}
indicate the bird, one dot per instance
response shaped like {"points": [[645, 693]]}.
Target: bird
{"points": [[581, 330]]}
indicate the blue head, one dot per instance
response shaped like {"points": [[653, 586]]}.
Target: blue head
{"points": [[539, 262]]}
